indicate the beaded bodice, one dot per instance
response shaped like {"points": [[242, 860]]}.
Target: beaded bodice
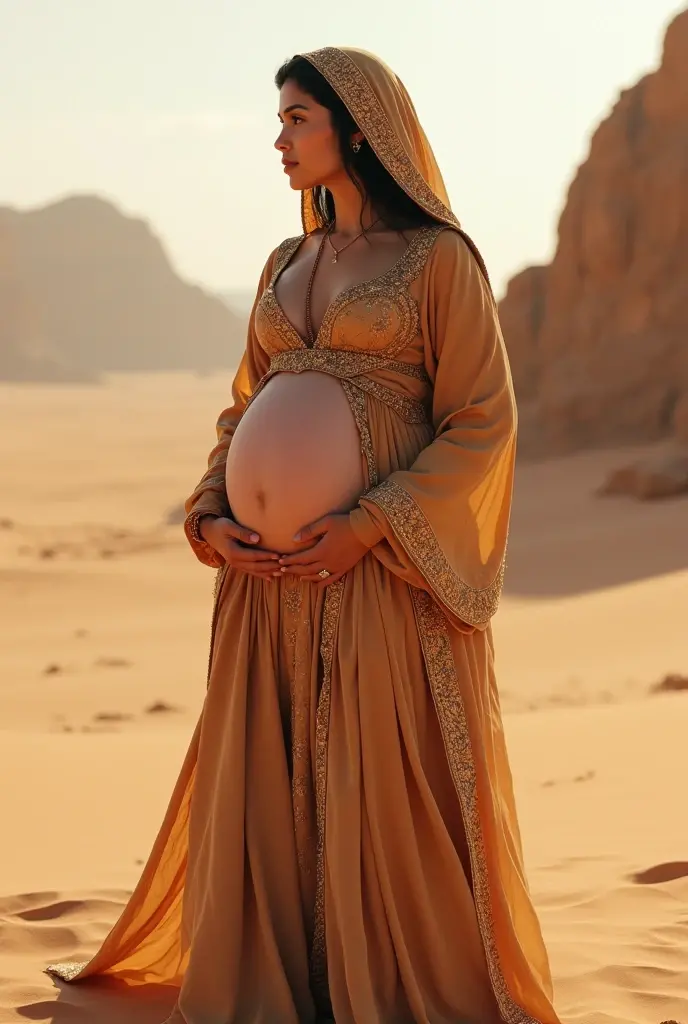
{"points": [[377, 317]]}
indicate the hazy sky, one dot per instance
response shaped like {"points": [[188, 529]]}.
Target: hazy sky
{"points": [[168, 108]]}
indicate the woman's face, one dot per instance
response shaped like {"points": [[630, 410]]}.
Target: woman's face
{"points": [[308, 144]]}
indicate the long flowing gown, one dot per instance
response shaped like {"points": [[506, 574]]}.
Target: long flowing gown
{"points": [[342, 839]]}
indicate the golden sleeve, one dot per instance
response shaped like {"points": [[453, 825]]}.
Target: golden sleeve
{"points": [[210, 494], [443, 523]]}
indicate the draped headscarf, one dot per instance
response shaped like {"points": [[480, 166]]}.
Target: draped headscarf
{"points": [[378, 101]]}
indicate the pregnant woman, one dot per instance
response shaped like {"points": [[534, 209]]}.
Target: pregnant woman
{"points": [[342, 842]]}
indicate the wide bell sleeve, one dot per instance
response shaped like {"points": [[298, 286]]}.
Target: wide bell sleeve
{"points": [[210, 494], [443, 523]]}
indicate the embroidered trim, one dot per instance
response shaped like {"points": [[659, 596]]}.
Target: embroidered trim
{"points": [[353, 88], [283, 255], [203, 551], [297, 634], [331, 610], [340, 363], [357, 401], [268, 303], [193, 521], [407, 408], [67, 971], [410, 370], [433, 632], [474, 606]]}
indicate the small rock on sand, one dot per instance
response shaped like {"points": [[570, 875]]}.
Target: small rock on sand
{"points": [[662, 475]]}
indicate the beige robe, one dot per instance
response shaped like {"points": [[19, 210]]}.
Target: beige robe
{"points": [[342, 838]]}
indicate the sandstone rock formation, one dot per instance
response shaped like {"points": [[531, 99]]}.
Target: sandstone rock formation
{"points": [[599, 339], [663, 474], [86, 290]]}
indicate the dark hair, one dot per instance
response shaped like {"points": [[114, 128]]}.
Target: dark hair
{"points": [[370, 176]]}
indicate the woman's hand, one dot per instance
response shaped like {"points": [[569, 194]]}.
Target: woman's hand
{"points": [[333, 545], [234, 543]]}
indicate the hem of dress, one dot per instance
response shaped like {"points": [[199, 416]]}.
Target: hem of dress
{"points": [[70, 970]]}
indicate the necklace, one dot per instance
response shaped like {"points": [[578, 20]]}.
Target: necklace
{"points": [[360, 233], [310, 334]]}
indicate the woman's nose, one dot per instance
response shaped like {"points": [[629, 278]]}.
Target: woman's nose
{"points": [[280, 142]]}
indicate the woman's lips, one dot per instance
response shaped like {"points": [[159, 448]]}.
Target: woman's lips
{"points": [[289, 164]]}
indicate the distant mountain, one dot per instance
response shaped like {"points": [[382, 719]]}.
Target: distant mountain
{"points": [[85, 289]]}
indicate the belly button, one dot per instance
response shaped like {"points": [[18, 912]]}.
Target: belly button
{"points": [[260, 498]]}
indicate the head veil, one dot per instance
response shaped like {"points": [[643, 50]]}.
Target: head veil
{"points": [[382, 108]]}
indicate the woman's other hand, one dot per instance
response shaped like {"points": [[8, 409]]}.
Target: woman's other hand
{"points": [[331, 544], [235, 544]]}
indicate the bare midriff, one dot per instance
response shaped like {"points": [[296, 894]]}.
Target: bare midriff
{"points": [[295, 457]]}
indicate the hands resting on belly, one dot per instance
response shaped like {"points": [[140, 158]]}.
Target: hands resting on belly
{"points": [[327, 544]]}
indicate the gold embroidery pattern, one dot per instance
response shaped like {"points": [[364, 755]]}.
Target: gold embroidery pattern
{"points": [[340, 363], [192, 524], [357, 401], [352, 86], [67, 971], [284, 254], [407, 408], [433, 632], [415, 533], [410, 370], [268, 303], [292, 595], [334, 361], [391, 289], [331, 610], [298, 638], [191, 528], [385, 297]]}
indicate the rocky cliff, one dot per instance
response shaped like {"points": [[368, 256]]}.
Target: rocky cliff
{"points": [[86, 290], [599, 339]]}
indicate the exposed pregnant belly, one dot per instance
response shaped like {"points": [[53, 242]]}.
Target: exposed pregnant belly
{"points": [[295, 456]]}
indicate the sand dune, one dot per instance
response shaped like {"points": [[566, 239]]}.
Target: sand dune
{"points": [[102, 671]]}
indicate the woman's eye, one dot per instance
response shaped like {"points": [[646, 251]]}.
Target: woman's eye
{"points": [[296, 118]]}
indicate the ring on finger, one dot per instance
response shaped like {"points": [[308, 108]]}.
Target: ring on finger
{"points": [[324, 573]]}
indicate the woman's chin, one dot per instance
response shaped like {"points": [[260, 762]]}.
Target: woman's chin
{"points": [[299, 182]]}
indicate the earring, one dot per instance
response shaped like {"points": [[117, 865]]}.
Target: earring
{"points": [[356, 146]]}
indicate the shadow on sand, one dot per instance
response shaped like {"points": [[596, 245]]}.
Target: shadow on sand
{"points": [[565, 540]]}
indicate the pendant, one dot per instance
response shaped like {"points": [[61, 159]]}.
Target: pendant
{"points": [[334, 259]]}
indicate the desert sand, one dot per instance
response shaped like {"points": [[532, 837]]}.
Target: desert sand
{"points": [[105, 621]]}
